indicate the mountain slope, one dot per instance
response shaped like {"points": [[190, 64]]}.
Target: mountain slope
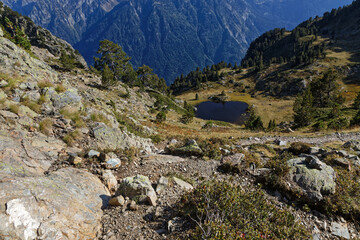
{"points": [[172, 37]]}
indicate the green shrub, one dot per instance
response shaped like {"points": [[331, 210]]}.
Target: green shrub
{"points": [[220, 210], [297, 148], [356, 119], [338, 124], [99, 117], [74, 116], [45, 84], [60, 88], [45, 126], [71, 138], [156, 138], [319, 125], [14, 108], [161, 117]]}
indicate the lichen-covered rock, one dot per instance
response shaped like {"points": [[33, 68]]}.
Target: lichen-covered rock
{"points": [[191, 148], [314, 177], [66, 204], [138, 188], [60, 100], [30, 68], [113, 138]]}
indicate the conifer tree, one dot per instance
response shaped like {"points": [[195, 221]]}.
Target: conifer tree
{"points": [[107, 77]]}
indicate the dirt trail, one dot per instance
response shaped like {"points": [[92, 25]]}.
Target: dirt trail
{"points": [[334, 137]]}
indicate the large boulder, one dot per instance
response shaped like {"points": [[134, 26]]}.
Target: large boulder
{"points": [[191, 148], [60, 100], [23, 156], [138, 188], [314, 177], [113, 138], [66, 204]]}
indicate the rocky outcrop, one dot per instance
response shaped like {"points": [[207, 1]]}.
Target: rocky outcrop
{"points": [[138, 188], [16, 60], [113, 138], [25, 155], [67, 204], [314, 177]]}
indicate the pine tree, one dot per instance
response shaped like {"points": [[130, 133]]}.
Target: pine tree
{"points": [[303, 108], [356, 103], [107, 77]]}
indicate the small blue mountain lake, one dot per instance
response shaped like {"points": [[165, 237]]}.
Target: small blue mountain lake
{"points": [[233, 112]]}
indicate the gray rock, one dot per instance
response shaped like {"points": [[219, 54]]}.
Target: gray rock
{"points": [[342, 153], [113, 138], [3, 83], [1, 33], [68, 98], [314, 150], [191, 148], [184, 185], [66, 204], [93, 153], [163, 183], [313, 176], [113, 163], [355, 145], [138, 188], [235, 159], [342, 162], [339, 230], [109, 180]]}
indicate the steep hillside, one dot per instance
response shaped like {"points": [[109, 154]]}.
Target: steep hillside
{"points": [[84, 156], [172, 37]]}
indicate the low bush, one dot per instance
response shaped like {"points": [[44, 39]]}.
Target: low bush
{"points": [[220, 210], [45, 126]]}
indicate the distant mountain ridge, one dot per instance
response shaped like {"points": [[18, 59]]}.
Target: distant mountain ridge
{"points": [[171, 36]]}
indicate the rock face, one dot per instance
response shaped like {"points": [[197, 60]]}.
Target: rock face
{"points": [[313, 176], [138, 188], [66, 204], [25, 156], [113, 138], [27, 65]]}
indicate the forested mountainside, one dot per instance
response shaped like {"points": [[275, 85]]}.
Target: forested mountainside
{"points": [[172, 37], [281, 62]]}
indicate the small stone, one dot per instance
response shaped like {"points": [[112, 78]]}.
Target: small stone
{"points": [[93, 153], [118, 201], [133, 206], [184, 185], [343, 163], [109, 180], [163, 183], [314, 150], [3, 83], [151, 198], [235, 159], [339, 230], [113, 163], [74, 159]]}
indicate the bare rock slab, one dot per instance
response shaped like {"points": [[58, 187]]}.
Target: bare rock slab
{"points": [[67, 204]]}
